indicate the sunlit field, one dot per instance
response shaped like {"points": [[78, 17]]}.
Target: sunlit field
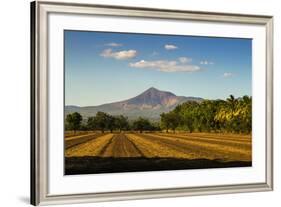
{"points": [[96, 152]]}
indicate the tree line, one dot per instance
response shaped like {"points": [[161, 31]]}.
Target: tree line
{"points": [[106, 122], [231, 115]]}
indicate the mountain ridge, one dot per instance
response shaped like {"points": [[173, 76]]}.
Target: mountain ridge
{"points": [[149, 104]]}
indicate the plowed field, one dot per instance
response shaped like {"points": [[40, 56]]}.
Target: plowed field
{"points": [[105, 151]]}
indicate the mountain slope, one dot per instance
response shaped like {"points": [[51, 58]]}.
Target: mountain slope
{"points": [[149, 104]]}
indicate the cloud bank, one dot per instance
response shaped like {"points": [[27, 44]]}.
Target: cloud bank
{"points": [[119, 55], [166, 66], [170, 47], [114, 44]]}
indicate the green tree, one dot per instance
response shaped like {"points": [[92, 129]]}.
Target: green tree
{"points": [[74, 121], [174, 120], [170, 120], [235, 115], [189, 120], [244, 114], [101, 121], [142, 124], [231, 115], [165, 124], [121, 122], [189, 113], [207, 112], [91, 123], [110, 122]]}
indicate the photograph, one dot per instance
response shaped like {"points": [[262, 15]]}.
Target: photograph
{"points": [[150, 102], [131, 103]]}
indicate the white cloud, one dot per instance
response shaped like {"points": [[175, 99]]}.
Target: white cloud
{"points": [[184, 59], [165, 66], [114, 44], [226, 75], [170, 47], [205, 62], [119, 55]]}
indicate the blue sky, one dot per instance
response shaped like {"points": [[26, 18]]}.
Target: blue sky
{"points": [[103, 67]]}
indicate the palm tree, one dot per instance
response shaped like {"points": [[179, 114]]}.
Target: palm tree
{"points": [[232, 103]]}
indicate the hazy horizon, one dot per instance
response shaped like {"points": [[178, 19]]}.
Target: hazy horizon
{"points": [[159, 90], [103, 67]]}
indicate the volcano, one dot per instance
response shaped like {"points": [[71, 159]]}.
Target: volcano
{"points": [[149, 104]]}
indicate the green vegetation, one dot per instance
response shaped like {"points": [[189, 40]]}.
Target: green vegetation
{"points": [[142, 124], [121, 123], [231, 115], [73, 121], [170, 120], [103, 121]]}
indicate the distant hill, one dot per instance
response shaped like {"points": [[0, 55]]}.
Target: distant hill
{"points": [[149, 104]]}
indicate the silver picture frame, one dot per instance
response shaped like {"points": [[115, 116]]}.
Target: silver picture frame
{"points": [[39, 100]]}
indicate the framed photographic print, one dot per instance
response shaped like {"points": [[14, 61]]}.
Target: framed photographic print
{"points": [[133, 103]]}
